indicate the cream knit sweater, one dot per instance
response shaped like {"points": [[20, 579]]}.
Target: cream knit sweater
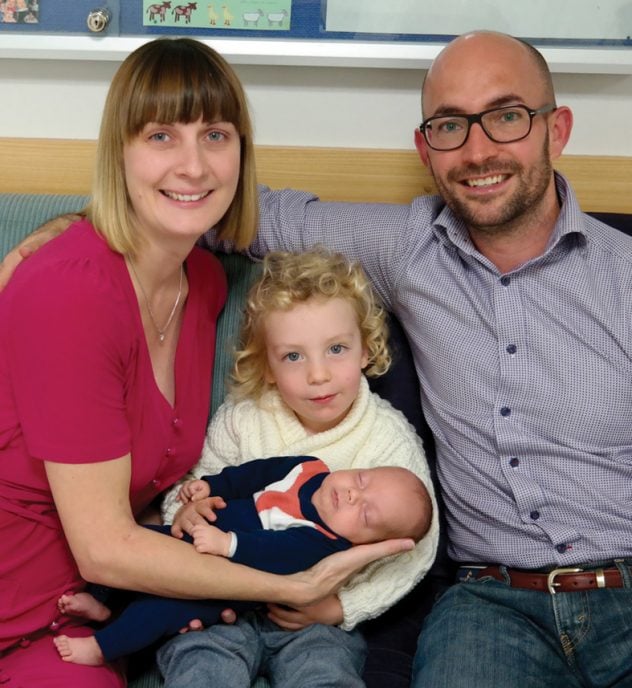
{"points": [[372, 434]]}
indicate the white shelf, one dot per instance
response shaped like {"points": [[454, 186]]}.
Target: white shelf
{"points": [[293, 52]]}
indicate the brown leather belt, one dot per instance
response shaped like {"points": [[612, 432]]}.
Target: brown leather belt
{"points": [[567, 579]]}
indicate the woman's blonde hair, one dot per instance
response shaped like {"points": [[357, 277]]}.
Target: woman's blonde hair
{"points": [[289, 279], [166, 81]]}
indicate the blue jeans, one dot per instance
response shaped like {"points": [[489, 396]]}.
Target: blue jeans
{"points": [[232, 656], [485, 633]]}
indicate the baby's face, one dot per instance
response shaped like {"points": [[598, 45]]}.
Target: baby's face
{"points": [[370, 504]]}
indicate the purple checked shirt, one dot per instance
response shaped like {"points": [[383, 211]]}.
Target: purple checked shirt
{"points": [[526, 377]]}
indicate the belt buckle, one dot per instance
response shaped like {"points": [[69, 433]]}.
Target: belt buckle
{"points": [[550, 580], [471, 568]]}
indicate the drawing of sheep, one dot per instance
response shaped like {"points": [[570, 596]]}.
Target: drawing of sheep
{"points": [[276, 18], [252, 18]]}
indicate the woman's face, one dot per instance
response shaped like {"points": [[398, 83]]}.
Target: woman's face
{"points": [[182, 178]]}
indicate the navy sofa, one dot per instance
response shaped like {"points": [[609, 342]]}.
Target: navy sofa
{"points": [[392, 637]]}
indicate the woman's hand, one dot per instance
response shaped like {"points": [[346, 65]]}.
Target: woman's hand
{"points": [[327, 611], [33, 242], [195, 513], [330, 574]]}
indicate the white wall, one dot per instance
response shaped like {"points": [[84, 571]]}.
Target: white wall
{"points": [[313, 106]]}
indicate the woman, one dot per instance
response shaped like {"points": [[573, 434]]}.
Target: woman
{"points": [[106, 350]]}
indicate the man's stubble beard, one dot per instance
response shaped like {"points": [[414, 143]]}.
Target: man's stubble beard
{"points": [[523, 203]]}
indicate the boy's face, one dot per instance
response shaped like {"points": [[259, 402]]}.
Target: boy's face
{"points": [[315, 358], [369, 505]]}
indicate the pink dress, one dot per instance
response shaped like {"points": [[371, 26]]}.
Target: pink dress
{"points": [[77, 386]]}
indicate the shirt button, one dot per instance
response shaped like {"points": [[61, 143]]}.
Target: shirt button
{"points": [[505, 411], [511, 349], [169, 453], [25, 642], [54, 626], [155, 482], [514, 462], [535, 515], [561, 548], [177, 423], [505, 281]]}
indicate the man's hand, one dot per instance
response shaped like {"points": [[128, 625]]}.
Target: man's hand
{"points": [[195, 513], [193, 491], [327, 611], [331, 573], [33, 242], [208, 539]]}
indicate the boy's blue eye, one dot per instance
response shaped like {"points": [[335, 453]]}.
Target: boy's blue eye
{"points": [[336, 348], [292, 356]]}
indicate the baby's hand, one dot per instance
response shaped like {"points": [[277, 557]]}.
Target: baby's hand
{"points": [[208, 539], [194, 513], [194, 490]]}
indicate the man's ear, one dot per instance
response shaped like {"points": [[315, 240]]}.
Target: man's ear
{"points": [[422, 147], [560, 126]]}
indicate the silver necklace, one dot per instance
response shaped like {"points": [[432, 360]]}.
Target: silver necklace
{"points": [[162, 331]]}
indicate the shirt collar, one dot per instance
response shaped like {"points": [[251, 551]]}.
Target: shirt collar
{"points": [[451, 230]]}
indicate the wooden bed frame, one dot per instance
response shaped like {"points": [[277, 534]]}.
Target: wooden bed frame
{"points": [[64, 166]]}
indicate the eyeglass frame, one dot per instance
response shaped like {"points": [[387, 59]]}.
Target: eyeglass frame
{"points": [[477, 118]]}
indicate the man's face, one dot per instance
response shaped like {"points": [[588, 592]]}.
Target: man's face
{"points": [[492, 186]]}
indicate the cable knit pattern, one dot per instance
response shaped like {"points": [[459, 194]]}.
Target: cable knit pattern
{"points": [[372, 434]]}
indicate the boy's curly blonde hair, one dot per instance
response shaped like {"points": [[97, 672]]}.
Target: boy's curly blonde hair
{"points": [[292, 278]]}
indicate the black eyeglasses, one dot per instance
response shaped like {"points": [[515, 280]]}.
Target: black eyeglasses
{"points": [[502, 125]]}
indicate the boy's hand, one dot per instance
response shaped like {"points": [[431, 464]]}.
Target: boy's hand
{"points": [[195, 513], [327, 611], [208, 539], [193, 491], [228, 617]]}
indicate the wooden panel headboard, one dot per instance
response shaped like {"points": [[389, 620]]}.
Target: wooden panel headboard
{"points": [[603, 184]]}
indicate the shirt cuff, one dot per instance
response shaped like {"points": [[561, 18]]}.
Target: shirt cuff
{"points": [[233, 545]]}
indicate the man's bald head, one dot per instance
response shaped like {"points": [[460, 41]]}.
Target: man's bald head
{"points": [[478, 52]]}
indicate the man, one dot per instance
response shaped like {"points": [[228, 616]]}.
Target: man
{"points": [[518, 310]]}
